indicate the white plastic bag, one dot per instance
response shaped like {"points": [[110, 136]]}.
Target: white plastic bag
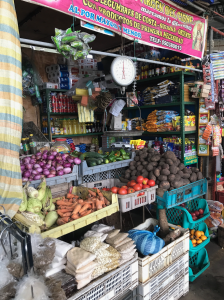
{"points": [[62, 248]]}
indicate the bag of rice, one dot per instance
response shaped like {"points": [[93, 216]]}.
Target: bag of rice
{"points": [[117, 238]]}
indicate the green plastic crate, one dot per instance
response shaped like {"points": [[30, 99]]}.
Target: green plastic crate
{"points": [[180, 216], [198, 263], [202, 227]]}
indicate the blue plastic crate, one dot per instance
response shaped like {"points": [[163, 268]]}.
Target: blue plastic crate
{"points": [[58, 179], [201, 227], [84, 170], [198, 263], [183, 194], [180, 215]]}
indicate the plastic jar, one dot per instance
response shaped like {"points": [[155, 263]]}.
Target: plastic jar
{"points": [[61, 145]]}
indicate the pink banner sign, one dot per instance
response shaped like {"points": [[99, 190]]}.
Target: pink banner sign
{"points": [[152, 22]]}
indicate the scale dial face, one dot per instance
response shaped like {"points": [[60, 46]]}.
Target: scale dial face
{"points": [[123, 70]]}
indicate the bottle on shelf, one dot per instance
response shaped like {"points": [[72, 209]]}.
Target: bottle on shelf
{"points": [[52, 126], [70, 129], [64, 124], [84, 127], [61, 127], [78, 127], [56, 127], [25, 147], [32, 144], [74, 126]]}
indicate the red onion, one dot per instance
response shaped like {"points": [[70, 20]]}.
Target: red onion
{"points": [[46, 172], [38, 157], [39, 153], [64, 156], [36, 166], [33, 157], [77, 161], [39, 170], [31, 177], [45, 151], [37, 177], [67, 165], [52, 168], [50, 176], [24, 179], [26, 174], [49, 162], [26, 160], [29, 166], [58, 168], [70, 160], [41, 164], [50, 157], [58, 158], [22, 167], [53, 163], [60, 173], [67, 170], [34, 172], [33, 161], [61, 162], [47, 166], [53, 172], [54, 153], [44, 156]]}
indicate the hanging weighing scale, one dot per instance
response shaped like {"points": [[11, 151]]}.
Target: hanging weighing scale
{"points": [[123, 72]]}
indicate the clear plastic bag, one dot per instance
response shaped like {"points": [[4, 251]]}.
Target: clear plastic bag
{"points": [[102, 228], [215, 206], [90, 244]]}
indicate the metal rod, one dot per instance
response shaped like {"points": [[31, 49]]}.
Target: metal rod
{"points": [[210, 39], [218, 31], [26, 41], [195, 6]]}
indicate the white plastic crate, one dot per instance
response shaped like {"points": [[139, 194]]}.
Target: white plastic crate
{"points": [[149, 266], [112, 284], [174, 291], [159, 283], [130, 201]]}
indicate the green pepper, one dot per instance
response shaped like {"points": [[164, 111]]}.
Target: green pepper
{"points": [[117, 153], [123, 152], [125, 157], [111, 154], [119, 158], [111, 159]]}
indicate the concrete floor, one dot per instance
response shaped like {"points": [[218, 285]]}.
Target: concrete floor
{"points": [[210, 285]]}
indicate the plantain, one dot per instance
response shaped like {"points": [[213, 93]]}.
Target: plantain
{"points": [[41, 189]]}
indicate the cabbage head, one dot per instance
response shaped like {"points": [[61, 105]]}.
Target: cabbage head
{"points": [[34, 205]]}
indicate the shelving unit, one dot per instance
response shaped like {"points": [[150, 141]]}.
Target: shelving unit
{"points": [[50, 114], [181, 76]]}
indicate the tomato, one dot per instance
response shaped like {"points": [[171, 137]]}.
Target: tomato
{"points": [[145, 181], [132, 184], [131, 190], [128, 184], [137, 187], [141, 194], [151, 182], [140, 185], [145, 186], [139, 179], [104, 189], [114, 189], [122, 191], [125, 187]]}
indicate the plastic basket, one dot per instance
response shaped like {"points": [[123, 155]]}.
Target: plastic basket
{"points": [[84, 170], [130, 201], [180, 216], [183, 194], [201, 227], [58, 179], [112, 284], [149, 266], [198, 263], [155, 287]]}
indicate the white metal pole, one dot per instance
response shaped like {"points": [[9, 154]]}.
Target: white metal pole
{"points": [[51, 45]]}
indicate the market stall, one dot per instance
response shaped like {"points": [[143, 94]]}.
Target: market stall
{"points": [[113, 154]]}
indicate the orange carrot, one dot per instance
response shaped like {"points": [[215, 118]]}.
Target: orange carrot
{"points": [[66, 219], [70, 200], [92, 193], [70, 196], [99, 193], [60, 222], [77, 209], [93, 205], [85, 213], [80, 201], [106, 201], [64, 203], [84, 207], [75, 216], [67, 214], [98, 204], [67, 208]]}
